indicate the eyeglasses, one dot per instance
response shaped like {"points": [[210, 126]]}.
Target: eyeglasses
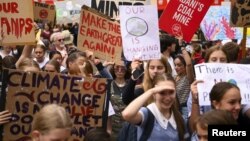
{"points": [[60, 40], [120, 69]]}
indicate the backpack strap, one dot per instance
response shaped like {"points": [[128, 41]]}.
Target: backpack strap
{"points": [[148, 127]]}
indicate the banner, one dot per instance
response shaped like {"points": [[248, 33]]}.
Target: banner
{"points": [[182, 17], [240, 13], [83, 98], [16, 22], [212, 73], [44, 12], [140, 32], [215, 25], [69, 11], [100, 35], [111, 7]]}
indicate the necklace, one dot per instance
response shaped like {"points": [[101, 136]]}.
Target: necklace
{"points": [[120, 84]]}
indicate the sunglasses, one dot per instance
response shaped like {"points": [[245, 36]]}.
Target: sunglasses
{"points": [[60, 40], [120, 69]]}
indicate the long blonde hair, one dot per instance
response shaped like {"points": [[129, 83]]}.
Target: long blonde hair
{"points": [[174, 108], [51, 117], [148, 82]]}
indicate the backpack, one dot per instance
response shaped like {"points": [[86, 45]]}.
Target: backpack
{"points": [[128, 131]]}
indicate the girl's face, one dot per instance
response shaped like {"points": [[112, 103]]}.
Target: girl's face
{"points": [[46, 27], [119, 71], [201, 133], [49, 68], [165, 99], [179, 66], [74, 67], [54, 135], [217, 56], [39, 54], [58, 58], [231, 101], [7, 49], [155, 67]]}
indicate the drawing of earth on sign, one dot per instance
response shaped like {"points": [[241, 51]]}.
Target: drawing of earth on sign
{"points": [[136, 26]]}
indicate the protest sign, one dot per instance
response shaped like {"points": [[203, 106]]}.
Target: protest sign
{"points": [[215, 25], [83, 98], [217, 2], [182, 17], [44, 12], [111, 7], [69, 11], [140, 32], [240, 13], [16, 22], [99, 34], [212, 73]]}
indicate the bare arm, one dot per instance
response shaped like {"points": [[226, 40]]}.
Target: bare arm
{"points": [[195, 111], [131, 112], [189, 65], [25, 54]]}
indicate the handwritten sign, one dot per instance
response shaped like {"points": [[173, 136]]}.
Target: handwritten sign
{"points": [[182, 17], [28, 92], [111, 7], [44, 12], [212, 73], [140, 32], [16, 21], [216, 24], [69, 11], [100, 35], [240, 13]]}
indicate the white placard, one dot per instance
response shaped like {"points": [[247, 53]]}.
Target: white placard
{"points": [[212, 73], [69, 11], [140, 32]]}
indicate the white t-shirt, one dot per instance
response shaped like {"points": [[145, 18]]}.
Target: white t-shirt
{"points": [[171, 62], [42, 64]]}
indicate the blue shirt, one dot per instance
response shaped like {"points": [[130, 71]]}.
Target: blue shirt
{"points": [[158, 133]]}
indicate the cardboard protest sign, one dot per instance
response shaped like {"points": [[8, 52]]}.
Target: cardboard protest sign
{"points": [[182, 17], [16, 21], [97, 33], [44, 12], [140, 32], [111, 7], [69, 11], [215, 25], [212, 73], [240, 13], [83, 98]]}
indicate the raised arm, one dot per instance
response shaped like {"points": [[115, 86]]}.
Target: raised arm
{"points": [[195, 110], [131, 112], [25, 54], [128, 94]]}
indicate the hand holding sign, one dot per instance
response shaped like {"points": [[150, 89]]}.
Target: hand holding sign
{"points": [[194, 91], [5, 117]]}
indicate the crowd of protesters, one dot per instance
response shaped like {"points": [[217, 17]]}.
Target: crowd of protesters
{"points": [[166, 86]]}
